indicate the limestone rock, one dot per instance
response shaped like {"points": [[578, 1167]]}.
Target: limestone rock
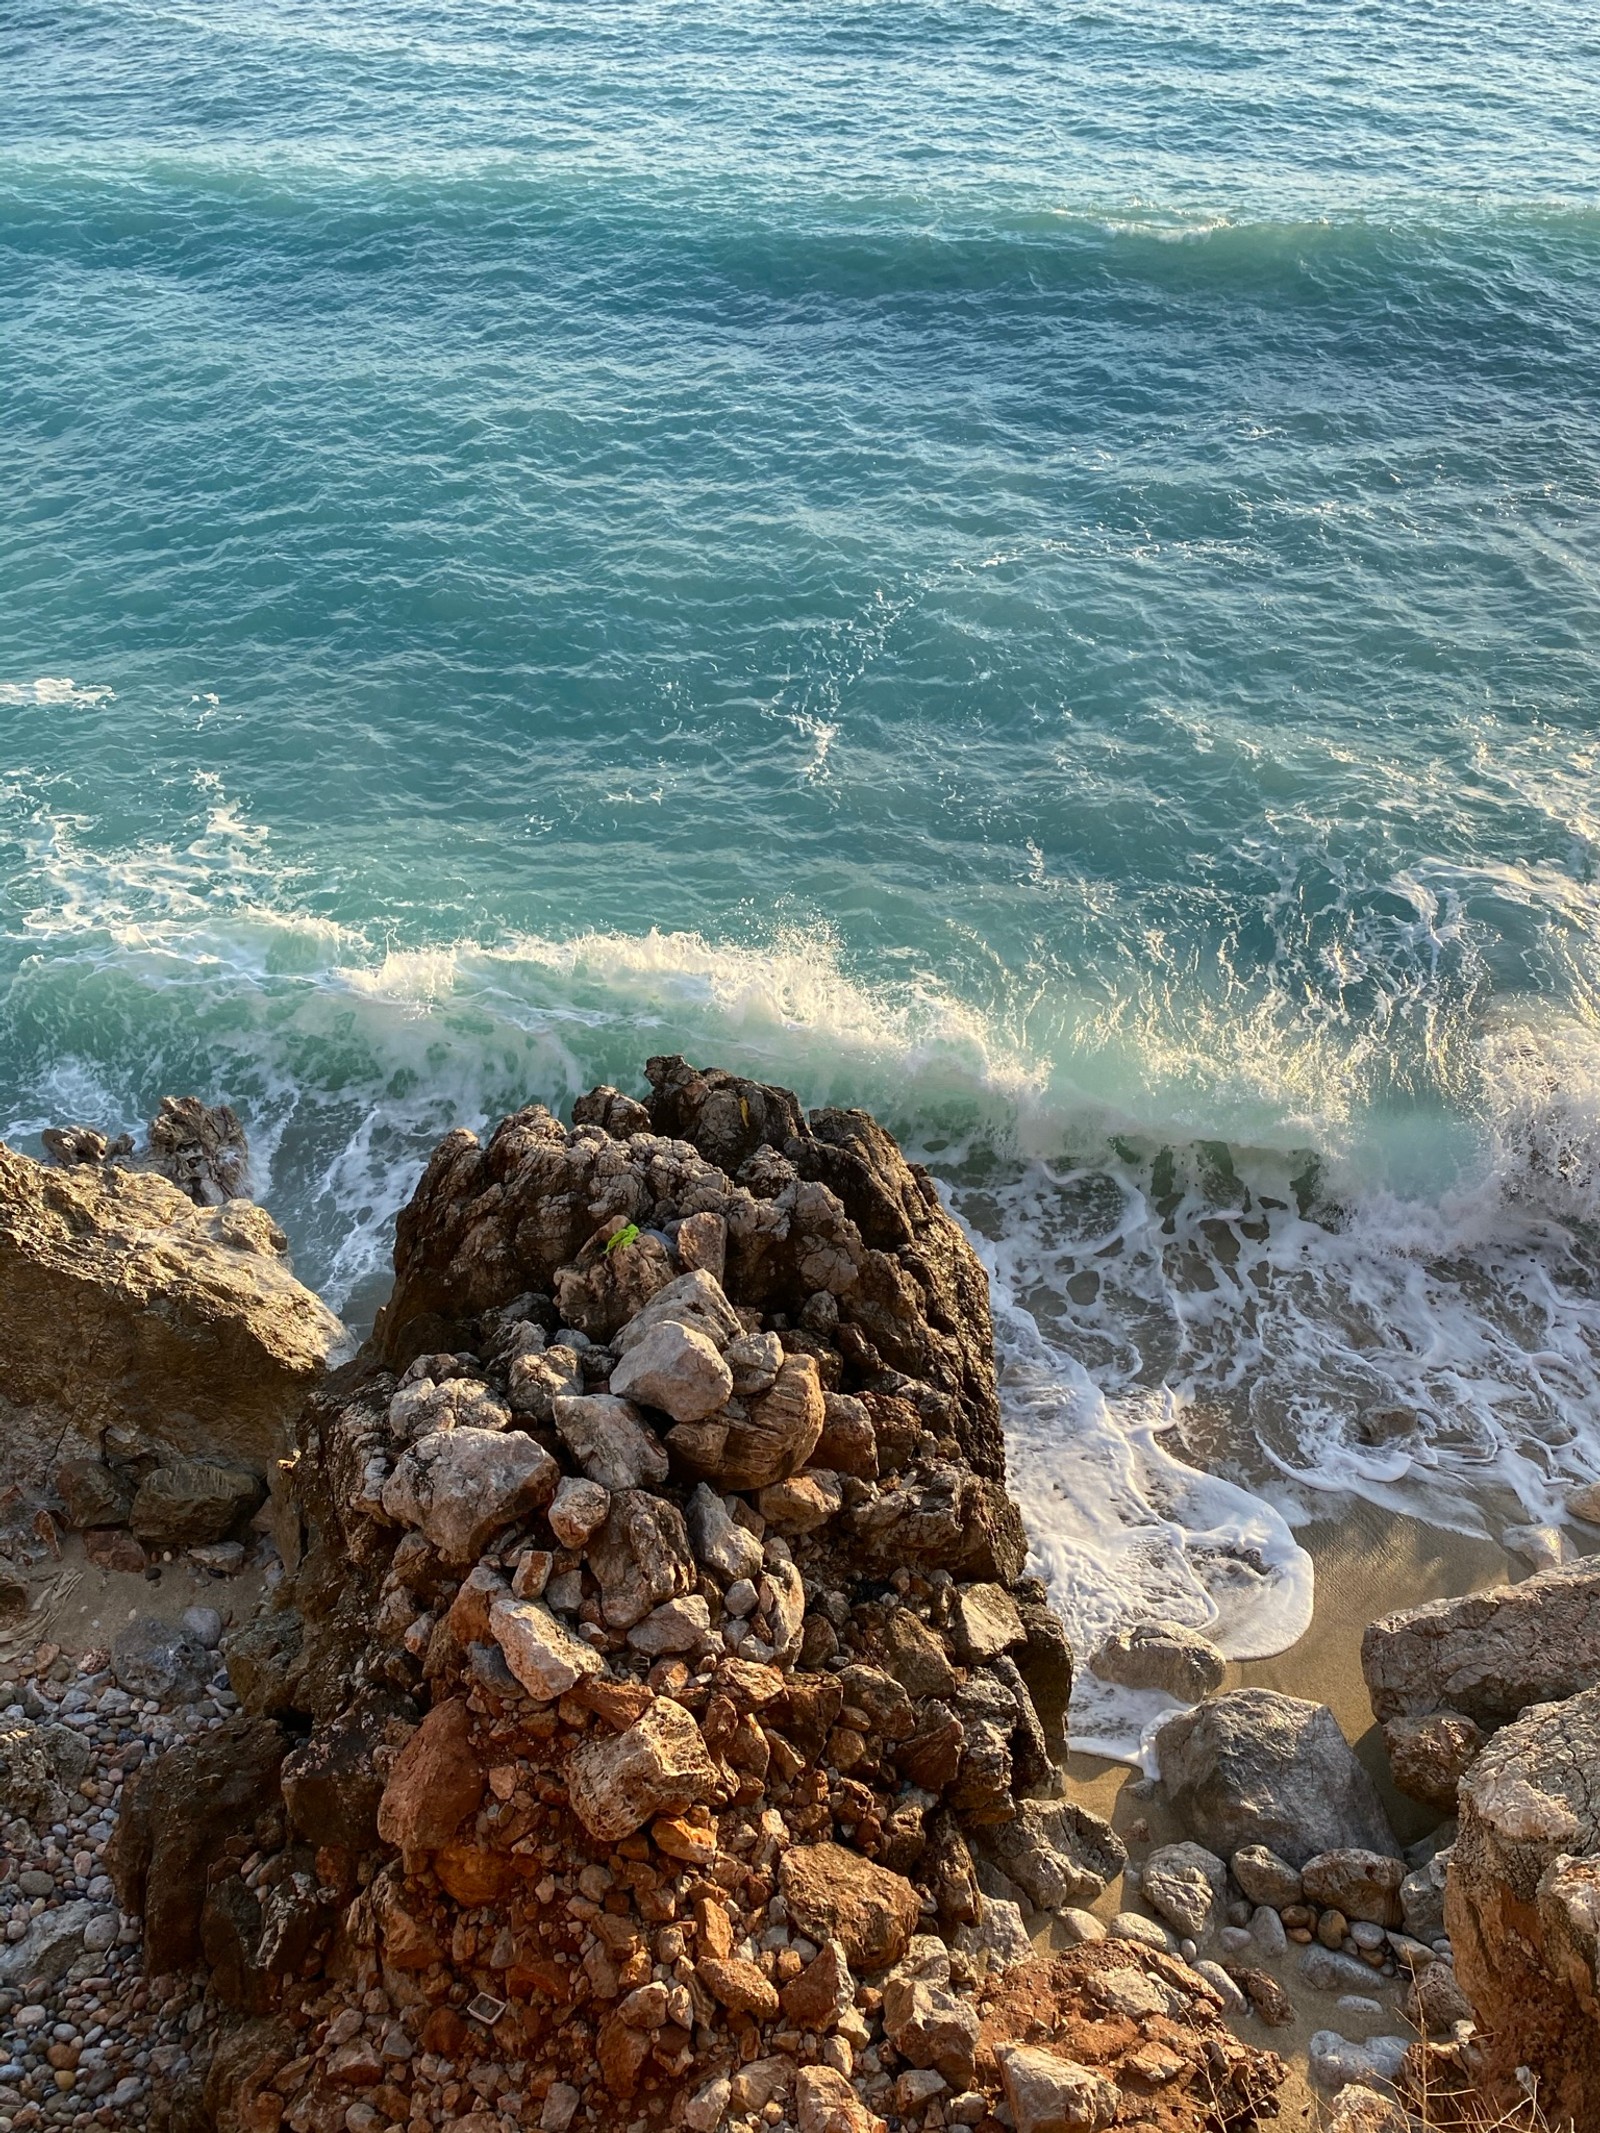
{"points": [[1361, 1884], [1187, 1886], [1265, 1878], [577, 1509], [1489, 1655], [436, 1781], [1359, 2109], [1051, 2094], [802, 1503], [849, 1443], [676, 1369], [610, 1440], [719, 1541], [932, 2027], [1254, 1767], [826, 2103], [695, 1303], [835, 1894], [676, 1626], [123, 1304], [640, 1557], [186, 1503], [1435, 2002], [916, 1656], [461, 1486], [779, 1433], [984, 1622], [52, 1943], [1056, 1852], [1161, 1655], [659, 1765], [543, 1654], [458, 1403], [535, 1382], [1429, 1756]]}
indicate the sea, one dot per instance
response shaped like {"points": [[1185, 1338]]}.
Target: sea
{"points": [[1033, 567]]}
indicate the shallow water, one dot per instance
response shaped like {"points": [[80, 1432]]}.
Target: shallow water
{"points": [[1033, 569]]}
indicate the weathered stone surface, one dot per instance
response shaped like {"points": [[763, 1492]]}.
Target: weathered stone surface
{"points": [[834, 1894], [577, 1509], [916, 1656], [802, 1503], [742, 1987], [719, 1541], [1045, 1664], [457, 1403], [849, 1443], [1361, 1884], [640, 1557], [155, 1658], [1422, 1898], [1434, 2002], [1429, 1756], [1051, 2094], [826, 2103], [123, 1304], [931, 2026], [52, 1943], [779, 1433], [999, 1940], [823, 1993], [1265, 1878], [1161, 1655], [658, 1766], [1254, 1767], [1359, 2109], [676, 1369], [461, 1486], [535, 1382], [185, 1503], [984, 1622], [437, 1780], [331, 1786], [1187, 1886], [694, 1302], [1489, 1655], [1522, 1902], [1056, 1852], [611, 1441], [677, 1626], [92, 1494], [544, 1655], [28, 1785]]}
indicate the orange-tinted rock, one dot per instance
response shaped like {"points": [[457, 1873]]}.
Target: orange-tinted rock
{"points": [[437, 1780], [835, 1894], [473, 1876]]}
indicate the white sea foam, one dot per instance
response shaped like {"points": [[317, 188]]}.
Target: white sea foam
{"points": [[52, 689]]}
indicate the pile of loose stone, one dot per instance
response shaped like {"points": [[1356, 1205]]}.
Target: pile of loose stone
{"points": [[657, 1725], [87, 2039]]}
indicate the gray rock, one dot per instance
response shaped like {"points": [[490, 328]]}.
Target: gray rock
{"points": [[1359, 2109], [50, 1946], [610, 1441], [543, 1654], [1267, 1931], [676, 1369], [1233, 2000], [189, 1502], [932, 2027], [1336, 2061], [984, 1622], [1186, 1885], [1257, 1768], [1361, 1884], [151, 1658], [204, 1624], [640, 1557], [27, 1773], [677, 1626], [719, 1541], [69, 1754], [459, 1403], [92, 1493], [999, 1941], [1422, 1898], [1326, 1970], [1133, 1925], [695, 1300], [1161, 1655], [461, 1486], [1429, 1756], [617, 1781], [535, 1382], [1078, 1928], [1489, 1654], [1049, 2094], [1265, 1878], [1056, 1852], [755, 1360]]}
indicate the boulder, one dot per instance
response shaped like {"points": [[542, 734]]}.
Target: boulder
{"points": [[124, 1305], [1364, 1885], [92, 1494], [28, 1787], [658, 1765], [1051, 2094], [802, 1503], [719, 1541], [577, 1509], [1056, 1852], [1488, 1655], [1187, 1886], [984, 1622], [186, 1503], [778, 1434], [1522, 1902], [611, 1442], [640, 1557], [835, 1894], [460, 1486], [826, 2103], [458, 1403], [331, 1786], [160, 1659], [931, 2026], [535, 1382], [1429, 1756], [694, 1303], [1258, 1768], [436, 1781], [1045, 1664], [916, 1656], [1265, 1878], [676, 1369], [1161, 1655], [543, 1654], [49, 1947]]}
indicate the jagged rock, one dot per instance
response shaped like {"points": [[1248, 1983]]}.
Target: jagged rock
{"points": [[823, 1993], [461, 1486], [849, 1443], [263, 1658], [1422, 1898], [541, 1652], [436, 1781], [611, 1441], [834, 1894], [1358, 2109], [676, 1369], [826, 2103], [459, 1403], [1051, 2094], [1434, 2002], [1265, 1878], [1522, 1903], [577, 1509], [611, 1281], [695, 1303], [200, 1147], [802, 1503], [916, 1657], [52, 1943], [677, 1626], [186, 1503], [1187, 1886], [331, 1786], [942, 1514], [932, 2027], [1161, 1655], [640, 1557], [92, 1493], [1430, 1756], [984, 1622], [1254, 1767], [999, 1940], [27, 1773], [1488, 1655], [535, 1382], [123, 1305], [1045, 1664], [1361, 1884], [658, 1766], [719, 1541], [620, 1116], [1056, 1852], [779, 1433]]}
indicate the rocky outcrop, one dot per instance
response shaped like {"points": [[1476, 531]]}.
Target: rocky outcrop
{"points": [[135, 1322], [1254, 1768], [1488, 1655], [644, 1765], [1522, 1903]]}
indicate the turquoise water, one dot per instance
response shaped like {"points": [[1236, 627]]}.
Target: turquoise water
{"points": [[1032, 567]]}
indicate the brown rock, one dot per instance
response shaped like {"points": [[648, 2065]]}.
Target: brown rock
{"points": [[849, 1443], [1265, 1995], [473, 1876], [92, 1493], [1362, 1884], [834, 1894], [658, 1766], [436, 1781], [780, 1432], [739, 1986], [1429, 1756], [916, 1656], [822, 1993], [114, 1548]]}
